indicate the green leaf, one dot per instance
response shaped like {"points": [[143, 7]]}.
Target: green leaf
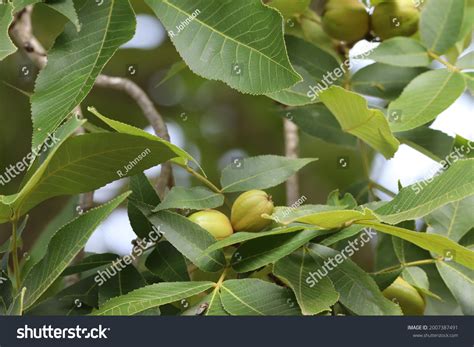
{"points": [[66, 8], [437, 244], [215, 307], [40, 246], [257, 253], [78, 58], [17, 306], [418, 278], [385, 279], [316, 120], [253, 297], [293, 271], [167, 263], [313, 64], [188, 238], [440, 25], [260, 172], [460, 282], [90, 262], [342, 235], [195, 198], [245, 51], [243, 236], [401, 51], [175, 69], [290, 8], [123, 282], [433, 143], [424, 197], [352, 113], [466, 62], [321, 216], [383, 81], [142, 191], [6, 17], [425, 98], [63, 247], [453, 220], [87, 162], [131, 130], [357, 290], [150, 296], [347, 201]]}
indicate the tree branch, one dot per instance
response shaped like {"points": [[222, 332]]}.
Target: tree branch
{"points": [[154, 118], [291, 151]]}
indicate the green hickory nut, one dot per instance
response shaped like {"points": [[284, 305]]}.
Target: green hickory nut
{"points": [[395, 18], [246, 214], [404, 294], [346, 20], [214, 222]]}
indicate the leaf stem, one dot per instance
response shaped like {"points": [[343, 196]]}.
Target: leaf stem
{"points": [[14, 250], [201, 178], [383, 189], [221, 279], [444, 62], [404, 265]]}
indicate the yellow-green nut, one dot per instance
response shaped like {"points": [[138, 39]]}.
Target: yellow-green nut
{"points": [[410, 300], [395, 18], [346, 20], [215, 222], [246, 214]]}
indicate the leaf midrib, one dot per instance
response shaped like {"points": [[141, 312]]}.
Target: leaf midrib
{"points": [[228, 37]]}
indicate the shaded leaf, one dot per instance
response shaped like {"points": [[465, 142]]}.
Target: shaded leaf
{"points": [[63, 247], [195, 198], [383, 81], [6, 17], [401, 51], [167, 263], [314, 297], [312, 63], [124, 281], [90, 262], [460, 282], [260, 172], [316, 120], [357, 290], [257, 253], [453, 220], [253, 297], [188, 238]]}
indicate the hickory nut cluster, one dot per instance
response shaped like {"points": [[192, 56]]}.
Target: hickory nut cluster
{"points": [[349, 20], [246, 215]]}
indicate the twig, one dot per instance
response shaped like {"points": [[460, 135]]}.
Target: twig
{"points": [[291, 151], [156, 120]]}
